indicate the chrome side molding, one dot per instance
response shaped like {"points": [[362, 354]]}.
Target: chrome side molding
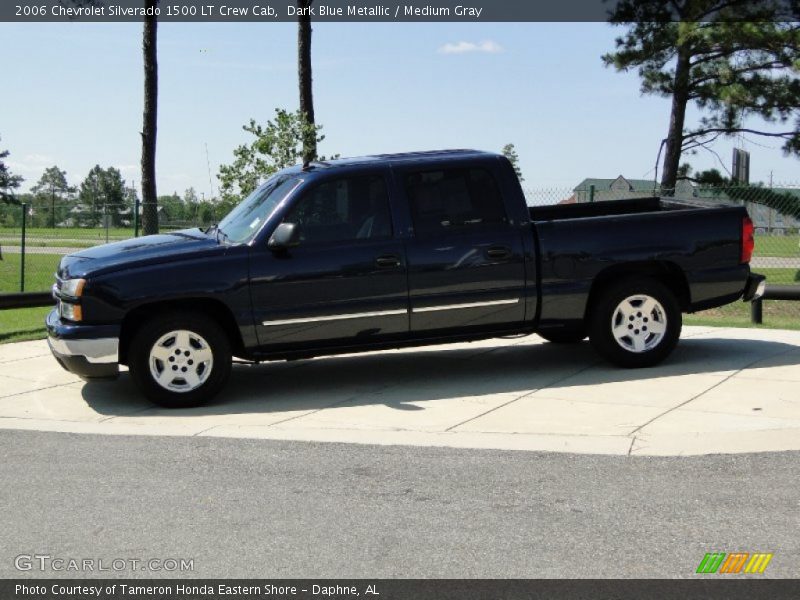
{"points": [[389, 313]]}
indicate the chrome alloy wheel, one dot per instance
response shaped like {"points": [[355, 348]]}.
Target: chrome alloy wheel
{"points": [[639, 323], [181, 361]]}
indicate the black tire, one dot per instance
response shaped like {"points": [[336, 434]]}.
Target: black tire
{"points": [[641, 342], [204, 337], [563, 336]]}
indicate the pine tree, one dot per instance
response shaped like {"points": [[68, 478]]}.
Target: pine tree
{"points": [[733, 59]]}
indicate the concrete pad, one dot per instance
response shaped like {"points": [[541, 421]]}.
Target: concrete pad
{"points": [[38, 370], [709, 354], [694, 444], [57, 403], [641, 388], [100, 427], [545, 415], [616, 445], [374, 412], [746, 397], [11, 386], [775, 368], [695, 421], [22, 350], [723, 390]]}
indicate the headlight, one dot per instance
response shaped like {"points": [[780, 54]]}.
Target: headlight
{"points": [[73, 287], [71, 312]]}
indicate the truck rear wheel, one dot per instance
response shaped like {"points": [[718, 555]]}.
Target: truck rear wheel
{"points": [[180, 360], [635, 323]]}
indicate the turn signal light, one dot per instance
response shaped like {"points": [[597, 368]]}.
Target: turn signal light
{"points": [[71, 312]]}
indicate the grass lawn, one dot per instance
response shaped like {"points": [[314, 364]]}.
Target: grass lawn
{"points": [[72, 237], [22, 324], [60, 242], [778, 314], [99, 233], [33, 242], [39, 270], [780, 276], [777, 245]]}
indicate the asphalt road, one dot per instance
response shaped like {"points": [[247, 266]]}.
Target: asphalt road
{"points": [[297, 509]]}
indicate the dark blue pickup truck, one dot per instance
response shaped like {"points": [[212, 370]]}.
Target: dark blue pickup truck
{"points": [[389, 251]]}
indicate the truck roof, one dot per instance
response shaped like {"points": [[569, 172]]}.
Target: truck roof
{"points": [[398, 158]]}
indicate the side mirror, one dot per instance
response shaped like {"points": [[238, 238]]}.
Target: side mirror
{"points": [[286, 235]]}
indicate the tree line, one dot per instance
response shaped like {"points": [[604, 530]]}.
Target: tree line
{"points": [[102, 199]]}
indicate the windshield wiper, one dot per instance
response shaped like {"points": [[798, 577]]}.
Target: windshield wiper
{"points": [[218, 233], [221, 233]]}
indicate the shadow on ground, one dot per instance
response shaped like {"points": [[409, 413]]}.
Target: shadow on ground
{"points": [[400, 379]]}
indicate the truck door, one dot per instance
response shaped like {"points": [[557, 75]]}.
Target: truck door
{"points": [[465, 259], [345, 282]]}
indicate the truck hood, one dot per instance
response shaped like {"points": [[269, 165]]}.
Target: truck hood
{"points": [[150, 249]]}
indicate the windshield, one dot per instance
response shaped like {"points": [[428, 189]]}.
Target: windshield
{"points": [[246, 219]]}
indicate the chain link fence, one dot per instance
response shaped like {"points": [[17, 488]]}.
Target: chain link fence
{"points": [[29, 256], [775, 212], [33, 239]]}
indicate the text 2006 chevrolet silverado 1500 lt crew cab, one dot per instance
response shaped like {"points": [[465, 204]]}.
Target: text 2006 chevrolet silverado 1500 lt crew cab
{"points": [[391, 251]]}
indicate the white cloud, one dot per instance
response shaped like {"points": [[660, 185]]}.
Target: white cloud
{"points": [[31, 166], [486, 46], [38, 159], [31, 162]]}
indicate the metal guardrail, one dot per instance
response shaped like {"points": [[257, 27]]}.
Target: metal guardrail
{"points": [[772, 292], [782, 292], [26, 300]]}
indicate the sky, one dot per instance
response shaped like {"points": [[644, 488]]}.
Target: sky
{"points": [[72, 97]]}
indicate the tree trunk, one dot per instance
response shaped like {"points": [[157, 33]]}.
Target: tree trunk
{"points": [[149, 125], [680, 97], [306, 80]]}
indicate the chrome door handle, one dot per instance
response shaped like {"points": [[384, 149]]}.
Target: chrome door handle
{"points": [[498, 252], [388, 261]]}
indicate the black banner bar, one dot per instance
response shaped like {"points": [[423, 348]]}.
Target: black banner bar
{"points": [[706, 588], [482, 11]]}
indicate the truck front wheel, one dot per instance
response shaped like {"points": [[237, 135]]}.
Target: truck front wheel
{"points": [[180, 360], [635, 323]]}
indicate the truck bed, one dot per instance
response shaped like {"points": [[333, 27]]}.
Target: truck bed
{"points": [[605, 208], [697, 249]]}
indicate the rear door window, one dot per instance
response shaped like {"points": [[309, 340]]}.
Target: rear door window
{"points": [[453, 200]]}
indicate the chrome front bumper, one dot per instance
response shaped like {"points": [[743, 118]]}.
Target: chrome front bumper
{"points": [[90, 359], [89, 351], [101, 351]]}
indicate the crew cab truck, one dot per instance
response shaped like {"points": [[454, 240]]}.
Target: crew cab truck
{"points": [[393, 251]]}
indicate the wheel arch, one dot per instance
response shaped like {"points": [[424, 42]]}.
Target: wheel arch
{"points": [[213, 309], [666, 272]]}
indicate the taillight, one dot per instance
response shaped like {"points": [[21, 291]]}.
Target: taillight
{"points": [[748, 241]]}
